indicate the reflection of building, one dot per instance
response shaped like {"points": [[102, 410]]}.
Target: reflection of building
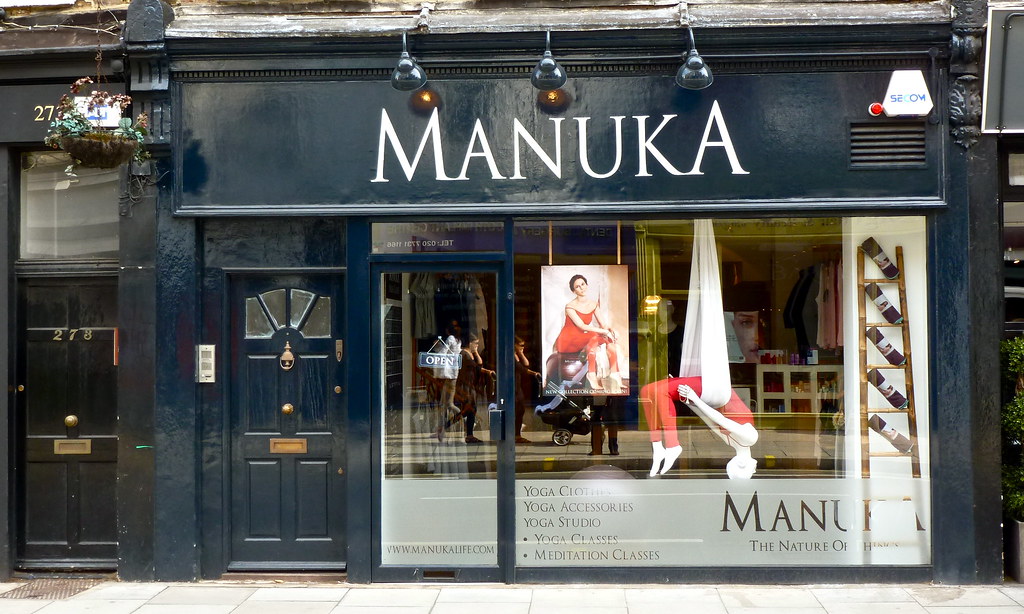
{"points": [[291, 181]]}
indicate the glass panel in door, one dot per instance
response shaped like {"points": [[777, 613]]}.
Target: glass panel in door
{"points": [[438, 377]]}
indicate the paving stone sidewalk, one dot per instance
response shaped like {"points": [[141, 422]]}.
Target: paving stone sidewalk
{"points": [[285, 598]]}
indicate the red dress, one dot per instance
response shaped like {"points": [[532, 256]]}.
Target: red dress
{"points": [[572, 339]]}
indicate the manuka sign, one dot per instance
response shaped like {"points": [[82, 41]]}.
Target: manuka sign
{"points": [[511, 152]]}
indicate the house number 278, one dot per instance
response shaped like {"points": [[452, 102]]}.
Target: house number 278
{"points": [[68, 334]]}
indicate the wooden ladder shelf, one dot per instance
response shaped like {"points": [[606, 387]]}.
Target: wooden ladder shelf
{"points": [[907, 367]]}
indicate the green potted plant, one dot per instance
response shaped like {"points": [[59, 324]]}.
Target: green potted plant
{"points": [[1012, 418], [87, 140]]}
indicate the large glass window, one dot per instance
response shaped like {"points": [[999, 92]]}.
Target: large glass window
{"points": [[67, 216], [439, 380], [814, 452]]}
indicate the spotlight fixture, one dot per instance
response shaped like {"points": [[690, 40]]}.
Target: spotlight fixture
{"points": [[408, 75], [548, 75], [694, 74]]}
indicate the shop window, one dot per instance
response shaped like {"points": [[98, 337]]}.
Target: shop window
{"points": [[66, 216], [1015, 176], [1012, 172], [816, 451]]}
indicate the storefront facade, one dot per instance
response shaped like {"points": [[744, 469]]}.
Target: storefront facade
{"points": [[436, 336]]}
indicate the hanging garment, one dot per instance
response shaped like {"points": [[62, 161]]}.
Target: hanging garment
{"points": [[838, 302], [421, 287], [477, 310], [705, 353], [801, 313]]}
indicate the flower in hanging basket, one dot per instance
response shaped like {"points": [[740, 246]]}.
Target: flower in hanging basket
{"points": [[86, 140]]}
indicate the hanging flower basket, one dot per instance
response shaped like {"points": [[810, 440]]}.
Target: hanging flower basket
{"points": [[92, 137], [100, 149]]}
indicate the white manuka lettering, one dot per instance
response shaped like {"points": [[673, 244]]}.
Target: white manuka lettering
{"points": [[479, 147], [388, 134], [478, 134], [585, 156], [518, 131], [715, 117]]}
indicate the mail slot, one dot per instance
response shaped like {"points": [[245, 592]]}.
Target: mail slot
{"points": [[287, 446], [72, 446]]}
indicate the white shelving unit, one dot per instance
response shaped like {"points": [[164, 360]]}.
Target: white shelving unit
{"points": [[797, 389]]}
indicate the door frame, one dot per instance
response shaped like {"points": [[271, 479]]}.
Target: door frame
{"points": [[214, 409], [499, 265]]}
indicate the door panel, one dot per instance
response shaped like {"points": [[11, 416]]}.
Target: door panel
{"points": [[438, 381], [66, 506], [286, 424]]}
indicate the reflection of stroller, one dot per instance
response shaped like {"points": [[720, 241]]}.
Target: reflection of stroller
{"points": [[568, 419]]}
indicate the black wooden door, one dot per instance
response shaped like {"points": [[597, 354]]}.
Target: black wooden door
{"points": [[287, 441], [66, 423]]}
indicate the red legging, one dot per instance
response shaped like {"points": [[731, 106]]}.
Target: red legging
{"points": [[657, 399], [591, 348]]}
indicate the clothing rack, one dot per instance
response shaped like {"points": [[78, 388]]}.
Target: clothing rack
{"points": [[907, 367]]}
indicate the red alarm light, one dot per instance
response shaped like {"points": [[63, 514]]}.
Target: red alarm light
{"points": [[875, 109]]}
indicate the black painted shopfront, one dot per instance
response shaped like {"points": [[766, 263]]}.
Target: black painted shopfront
{"points": [[343, 327]]}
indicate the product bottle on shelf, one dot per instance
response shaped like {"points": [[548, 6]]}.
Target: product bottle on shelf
{"points": [[889, 312], [895, 397], [873, 249], [888, 351], [897, 439]]}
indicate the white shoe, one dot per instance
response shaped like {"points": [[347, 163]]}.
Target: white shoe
{"points": [[658, 457], [671, 454]]}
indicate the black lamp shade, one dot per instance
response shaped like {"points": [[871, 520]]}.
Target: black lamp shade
{"points": [[694, 74], [548, 75], [408, 75]]}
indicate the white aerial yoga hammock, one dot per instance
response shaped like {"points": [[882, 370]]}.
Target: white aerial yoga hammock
{"points": [[704, 353]]}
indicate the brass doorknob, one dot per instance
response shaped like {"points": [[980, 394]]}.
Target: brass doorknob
{"points": [[287, 409], [70, 421]]}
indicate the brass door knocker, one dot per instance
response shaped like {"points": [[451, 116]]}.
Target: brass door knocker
{"points": [[287, 358]]}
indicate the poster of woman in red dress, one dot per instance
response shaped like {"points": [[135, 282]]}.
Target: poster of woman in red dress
{"points": [[585, 314]]}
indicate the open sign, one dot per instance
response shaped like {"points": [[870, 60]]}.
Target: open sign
{"points": [[436, 359]]}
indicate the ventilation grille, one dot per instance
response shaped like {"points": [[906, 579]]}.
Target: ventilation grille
{"points": [[887, 145], [50, 589]]}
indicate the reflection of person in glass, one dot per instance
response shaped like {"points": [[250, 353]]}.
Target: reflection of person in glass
{"points": [[473, 380], [745, 325], [524, 381], [733, 423], [585, 330]]}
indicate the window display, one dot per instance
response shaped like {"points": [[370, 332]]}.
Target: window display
{"points": [[741, 374], [797, 460]]}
